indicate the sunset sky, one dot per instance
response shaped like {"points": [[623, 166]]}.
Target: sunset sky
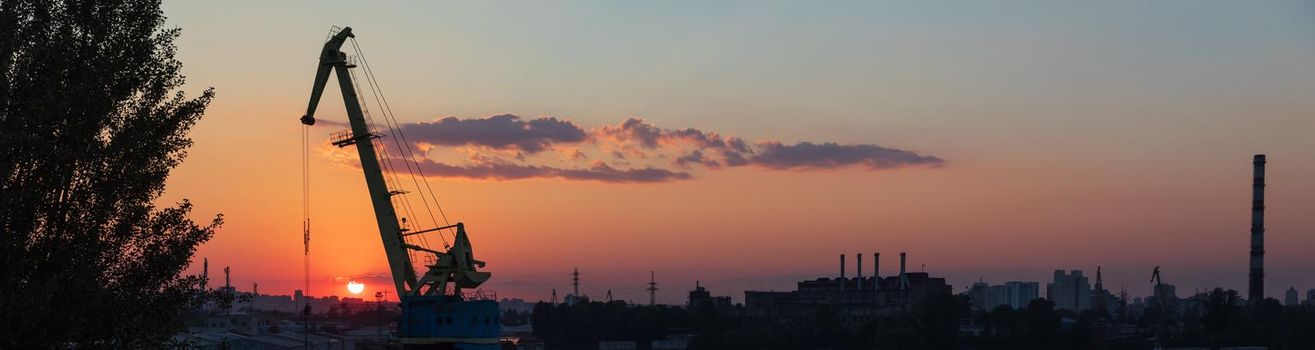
{"points": [[992, 140]]}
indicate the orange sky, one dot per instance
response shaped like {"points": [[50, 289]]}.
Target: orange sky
{"points": [[1129, 149]]}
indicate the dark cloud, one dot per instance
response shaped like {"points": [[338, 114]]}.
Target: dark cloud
{"points": [[650, 136], [826, 155], [500, 131], [598, 171], [696, 157], [635, 129], [633, 140]]}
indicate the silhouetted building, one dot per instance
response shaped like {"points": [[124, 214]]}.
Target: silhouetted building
{"points": [[1105, 297], [701, 297], [1291, 297], [1165, 292], [1014, 294], [878, 297], [1069, 291], [1310, 296]]}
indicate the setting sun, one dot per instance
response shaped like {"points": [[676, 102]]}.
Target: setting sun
{"points": [[355, 288]]}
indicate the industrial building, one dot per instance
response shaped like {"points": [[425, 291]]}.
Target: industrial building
{"points": [[701, 297], [857, 299]]}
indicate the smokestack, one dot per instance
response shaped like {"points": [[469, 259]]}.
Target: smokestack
{"points": [[903, 279], [859, 272], [842, 266], [876, 266], [902, 256], [1256, 292]]}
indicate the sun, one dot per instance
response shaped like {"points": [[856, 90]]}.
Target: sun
{"points": [[355, 288]]}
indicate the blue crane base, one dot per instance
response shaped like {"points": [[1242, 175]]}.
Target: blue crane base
{"points": [[447, 322]]}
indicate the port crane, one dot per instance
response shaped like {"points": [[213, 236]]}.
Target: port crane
{"points": [[430, 301]]}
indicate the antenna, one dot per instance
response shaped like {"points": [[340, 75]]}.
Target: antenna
{"points": [[652, 289], [575, 282]]}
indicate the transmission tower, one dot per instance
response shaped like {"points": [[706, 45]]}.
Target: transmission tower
{"points": [[652, 288]]}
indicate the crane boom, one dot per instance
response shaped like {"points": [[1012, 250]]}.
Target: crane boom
{"points": [[332, 58]]}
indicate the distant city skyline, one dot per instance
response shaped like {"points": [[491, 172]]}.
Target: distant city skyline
{"points": [[997, 142]]}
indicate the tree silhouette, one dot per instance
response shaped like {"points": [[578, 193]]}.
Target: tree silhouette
{"points": [[91, 123]]}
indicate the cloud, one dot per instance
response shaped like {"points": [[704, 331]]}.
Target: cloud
{"points": [[712, 150], [501, 170], [506, 132], [506, 147], [827, 155], [696, 157], [650, 136]]}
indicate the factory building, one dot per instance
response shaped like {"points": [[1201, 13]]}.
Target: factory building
{"points": [[701, 297], [857, 299]]}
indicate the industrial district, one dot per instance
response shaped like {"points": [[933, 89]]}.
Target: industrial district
{"points": [[437, 281]]}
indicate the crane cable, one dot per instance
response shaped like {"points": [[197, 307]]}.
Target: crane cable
{"points": [[408, 158], [386, 165], [305, 219]]}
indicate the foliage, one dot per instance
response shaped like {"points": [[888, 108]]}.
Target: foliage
{"points": [[1223, 320], [91, 123]]}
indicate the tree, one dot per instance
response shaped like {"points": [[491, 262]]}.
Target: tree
{"points": [[1040, 325], [92, 120]]}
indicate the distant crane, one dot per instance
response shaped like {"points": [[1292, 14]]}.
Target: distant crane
{"points": [[652, 288], [1165, 308], [1159, 285], [1100, 295]]}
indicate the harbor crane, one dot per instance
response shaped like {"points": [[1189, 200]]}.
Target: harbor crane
{"points": [[431, 301]]}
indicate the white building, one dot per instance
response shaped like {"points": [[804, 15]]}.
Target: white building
{"points": [[1069, 291], [1014, 294]]}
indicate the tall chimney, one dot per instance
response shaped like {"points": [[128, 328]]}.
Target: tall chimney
{"points": [[859, 273], [842, 266], [902, 257], [876, 270], [903, 279], [902, 283], [842, 272], [1256, 292]]}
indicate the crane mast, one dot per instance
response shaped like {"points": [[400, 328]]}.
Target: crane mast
{"points": [[332, 58]]}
